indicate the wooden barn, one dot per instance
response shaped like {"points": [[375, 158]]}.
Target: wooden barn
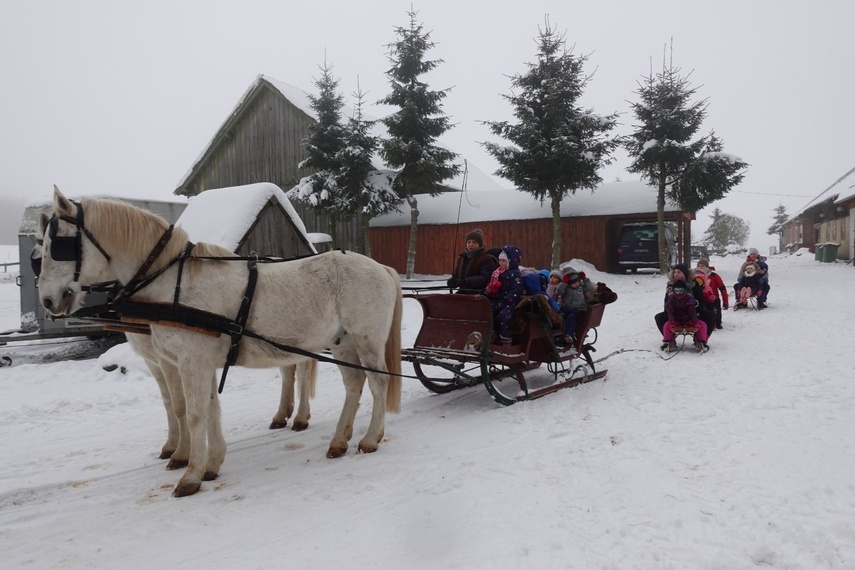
{"points": [[248, 220], [591, 225], [828, 219], [262, 140]]}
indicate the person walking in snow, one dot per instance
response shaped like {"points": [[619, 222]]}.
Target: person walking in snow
{"points": [[716, 283]]}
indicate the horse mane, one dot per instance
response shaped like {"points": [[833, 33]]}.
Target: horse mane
{"points": [[203, 249], [132, 229]]}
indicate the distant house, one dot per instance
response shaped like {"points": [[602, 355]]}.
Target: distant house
{"points": [[827, 219], [262, 140], [590, 225], [248, 220]]}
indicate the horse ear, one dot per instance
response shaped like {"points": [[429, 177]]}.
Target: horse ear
{"points": [[61, 204], [44, 220]]}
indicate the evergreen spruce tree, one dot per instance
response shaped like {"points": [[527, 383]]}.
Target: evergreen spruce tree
{"points": [[726, 230], [690, 173], [413, 130], [558, 146], [362, 186], [325, 141], [777, 227]]}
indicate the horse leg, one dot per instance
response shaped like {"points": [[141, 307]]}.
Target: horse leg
{"points": [[353, 380], [377, 384], [172, 434], [198, 395], [181, 454], [142, 345], [286, 398], [216, 441], [307, 372]]}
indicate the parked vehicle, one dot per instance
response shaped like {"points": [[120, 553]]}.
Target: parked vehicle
{"points": [[638, 246], [699, 251]]}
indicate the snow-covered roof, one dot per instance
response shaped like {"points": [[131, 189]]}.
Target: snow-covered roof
{"points": [[223, 216], [841, 190], [610, 198], [475, 178]]}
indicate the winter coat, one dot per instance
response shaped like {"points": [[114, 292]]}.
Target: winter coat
{"points": [[707, 293], [681, 309], [576, 299], [762, 268], [717, 285], [557, 292], [531, 280], [755, 282], [511, 286], [475, 268]]}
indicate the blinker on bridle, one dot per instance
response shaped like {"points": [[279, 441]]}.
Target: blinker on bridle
{"points": [[68, 248]]}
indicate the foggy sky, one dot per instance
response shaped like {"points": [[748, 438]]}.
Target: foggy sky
{"points": [[102, 97]]}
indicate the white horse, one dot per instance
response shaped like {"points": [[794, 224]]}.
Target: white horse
{"points": [[343, 301], [177, 448]]}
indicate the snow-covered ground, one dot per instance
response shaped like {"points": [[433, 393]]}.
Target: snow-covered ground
{"points": [[738, 458]]}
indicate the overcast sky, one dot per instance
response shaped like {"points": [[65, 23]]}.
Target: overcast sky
{"points": [[105, 97]]}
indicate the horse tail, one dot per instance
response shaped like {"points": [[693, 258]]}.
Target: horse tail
{"points": [[393, 348]]}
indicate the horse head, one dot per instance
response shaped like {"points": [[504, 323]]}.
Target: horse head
{"points": [[68, 261]]}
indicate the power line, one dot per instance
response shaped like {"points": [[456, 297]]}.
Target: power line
{"points": [[768, 194]]}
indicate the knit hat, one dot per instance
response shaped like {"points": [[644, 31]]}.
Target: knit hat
{"points": [[679, 284], [753, 251], [750, 269], [503, 255], [574, 278], [684, 268], [704, 261], [555, 273], [475, 235]]}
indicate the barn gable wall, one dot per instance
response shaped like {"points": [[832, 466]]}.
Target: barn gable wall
{"points": [[273, 233], [264, 142]]}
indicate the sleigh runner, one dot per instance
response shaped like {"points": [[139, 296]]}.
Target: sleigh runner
{"points": [[453, 350]]}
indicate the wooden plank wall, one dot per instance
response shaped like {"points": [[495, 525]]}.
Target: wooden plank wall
{"points": [[266, 144], [591, 238], [274, 234], [437, 246]]}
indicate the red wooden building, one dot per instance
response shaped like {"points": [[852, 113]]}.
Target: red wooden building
{"points": [[591, 224]]}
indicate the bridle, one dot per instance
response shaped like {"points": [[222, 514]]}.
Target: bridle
{"points": [[68, 248]]}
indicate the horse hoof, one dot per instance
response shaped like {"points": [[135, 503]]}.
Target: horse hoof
{"points": [[278, 425], [186, 489], [367, 447], [176, 464], [300, 426], [210, 476], [334, 452], [166, 454]]}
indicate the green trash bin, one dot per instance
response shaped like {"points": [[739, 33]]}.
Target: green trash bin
{"points": [[829, 252], [817, 251]]}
